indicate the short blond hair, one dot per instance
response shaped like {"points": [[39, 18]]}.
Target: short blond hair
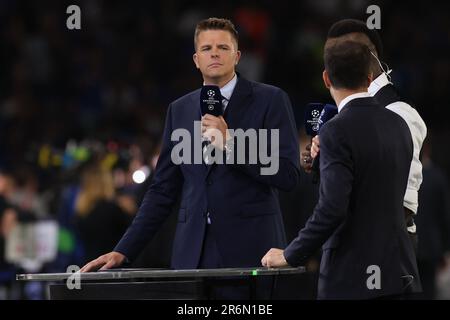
{"points": [[215, 24]]}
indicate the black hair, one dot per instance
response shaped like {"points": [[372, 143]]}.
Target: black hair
{"points": [[347, 64], [346, 26]]}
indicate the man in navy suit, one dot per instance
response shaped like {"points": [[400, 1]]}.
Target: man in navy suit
{"points": [[366, 153], [229, 214]]}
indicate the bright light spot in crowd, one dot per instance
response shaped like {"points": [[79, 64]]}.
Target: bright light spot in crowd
{"points": [[140, 175]]}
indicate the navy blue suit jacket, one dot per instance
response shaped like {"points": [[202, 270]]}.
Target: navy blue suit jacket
{"points": [[243, 204], [366, 153]]}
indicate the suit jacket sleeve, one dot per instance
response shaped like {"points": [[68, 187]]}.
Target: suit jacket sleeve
{"points": [[336, 171], [279, 116], [158, 200]]}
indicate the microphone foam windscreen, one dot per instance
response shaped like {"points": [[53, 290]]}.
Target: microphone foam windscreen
{"points": [[312, 115], [211, 100], [328, 112]]}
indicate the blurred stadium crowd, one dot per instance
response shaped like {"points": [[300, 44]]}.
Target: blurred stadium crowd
{"points": [[82, 111]]}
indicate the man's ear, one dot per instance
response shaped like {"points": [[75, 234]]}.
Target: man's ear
{"points": [[370, 78], [326, 79], [195, 58], [238, 56]]}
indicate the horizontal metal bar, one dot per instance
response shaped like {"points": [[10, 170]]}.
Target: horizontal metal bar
{"points": [[160, 273]]}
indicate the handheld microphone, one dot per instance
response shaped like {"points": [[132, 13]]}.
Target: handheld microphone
{"points": [[211, 100], [210, 103], [328, 112], [312, 115]]}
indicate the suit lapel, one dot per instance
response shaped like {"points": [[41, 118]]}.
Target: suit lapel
{"points": [[239, 100], [195, 98], [196, 103]]}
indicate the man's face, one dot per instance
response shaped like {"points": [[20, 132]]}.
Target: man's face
{"points": [[216, 56]]}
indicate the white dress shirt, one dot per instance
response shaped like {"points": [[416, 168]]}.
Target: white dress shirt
{"points": [[418, 133], [227, 90]]}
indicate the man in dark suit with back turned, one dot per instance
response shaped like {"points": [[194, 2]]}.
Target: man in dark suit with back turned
{"points": [[366, 153], [229, 214], [386, 95]]}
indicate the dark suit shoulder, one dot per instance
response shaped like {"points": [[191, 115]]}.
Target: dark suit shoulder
{"points": [[363, 113], [259, 87], [332, 124], [187, 98], [390, 94], [358, 107], [387, 95]]}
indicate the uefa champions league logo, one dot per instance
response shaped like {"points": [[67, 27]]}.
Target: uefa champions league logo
{"points": [[315, 114], [211, 95]]}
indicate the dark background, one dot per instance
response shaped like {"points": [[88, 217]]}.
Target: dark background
{"points": [[107, 87], [114, 78]]}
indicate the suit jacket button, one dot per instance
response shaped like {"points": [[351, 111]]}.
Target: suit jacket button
{"points": [[208, 182]]}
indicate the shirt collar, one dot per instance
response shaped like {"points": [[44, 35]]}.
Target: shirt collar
{"points": [[378, 83], [351, 97], [227, 90]]}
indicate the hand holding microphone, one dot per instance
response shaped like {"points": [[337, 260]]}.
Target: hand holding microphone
{"points": [[214, 127], [312, 116], [306, 160], [328, 112], [308, 156], [313, 124], [315, 147]]}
